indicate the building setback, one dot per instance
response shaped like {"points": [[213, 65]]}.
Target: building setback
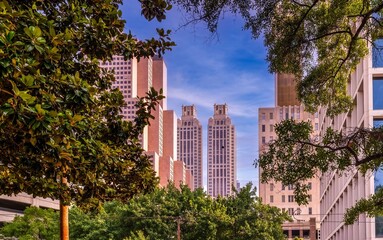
{"points": [[221, 157], [189, 142]]}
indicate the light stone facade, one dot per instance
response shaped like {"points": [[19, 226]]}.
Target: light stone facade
{"points": [[189, 143], [305, 218], [222, 156], [341, 191]]}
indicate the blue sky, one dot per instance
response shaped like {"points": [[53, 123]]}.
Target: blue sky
{"points": [[229, 68]]}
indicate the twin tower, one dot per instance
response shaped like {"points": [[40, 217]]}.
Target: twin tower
{"points": [[221, 148]]}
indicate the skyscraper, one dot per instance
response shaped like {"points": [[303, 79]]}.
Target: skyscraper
{"points": [[221, 158], [189, 141], [134, 79]]}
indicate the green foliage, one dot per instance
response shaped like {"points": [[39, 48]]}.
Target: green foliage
{"points": [[296, 157], [36, 223], [155, 216], [321, 42], [238, 217], [59, 117]]}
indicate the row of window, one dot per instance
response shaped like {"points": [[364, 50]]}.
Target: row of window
{"points": [[121, 82], [297, 211], [117, 63], [289, 187], [119, 77], [290, 198]]}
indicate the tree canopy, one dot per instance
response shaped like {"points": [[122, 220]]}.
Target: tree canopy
{"points": [[59, 116], [36, 223], [155, 216]]}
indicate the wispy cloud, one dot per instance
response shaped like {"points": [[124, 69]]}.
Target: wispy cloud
{"points": [[230, 69]]}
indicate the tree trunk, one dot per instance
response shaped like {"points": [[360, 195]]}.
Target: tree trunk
{"points": [[64, 223], [64, 217]]}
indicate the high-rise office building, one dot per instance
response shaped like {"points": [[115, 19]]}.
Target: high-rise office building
{"points": [[134, 79], [221, 158], [189, 141], [341, 191], [274, 193]]}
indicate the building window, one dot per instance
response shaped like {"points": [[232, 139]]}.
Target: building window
{"points": [[271, 186], [283, 198], [310, 198], [378, 122], [377, 54], [310, 210], [263, 140], [377, 92], [291, 198], [263, 116], [271, 198], [271, 128], [271, 115], [291, 187], [378, 183], [310, 185], [316, 126], [298, 211], [263, 128], [291, 211]]}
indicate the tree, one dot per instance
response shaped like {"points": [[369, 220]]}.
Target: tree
{"points": [[308, 156], [155, 216], [36, 223], [61, 134], [241, 216], [321, 43], [251, 219]]}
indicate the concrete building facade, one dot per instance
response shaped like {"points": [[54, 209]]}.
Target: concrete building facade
{"points": [[341, 191], [278, 195], [305, 218], [189, 143], [221, 157]]}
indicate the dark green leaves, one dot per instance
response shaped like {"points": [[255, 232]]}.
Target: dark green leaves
{"points": [[59, 117]]}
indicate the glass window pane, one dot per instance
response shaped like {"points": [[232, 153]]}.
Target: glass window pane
{"points": [[378, 122], [377, 93], [378, 183], [377, 54]]}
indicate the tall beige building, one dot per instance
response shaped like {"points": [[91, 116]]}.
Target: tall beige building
{"points": [[305, 218], [189, 143], [341, 191], [221, 158]]}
